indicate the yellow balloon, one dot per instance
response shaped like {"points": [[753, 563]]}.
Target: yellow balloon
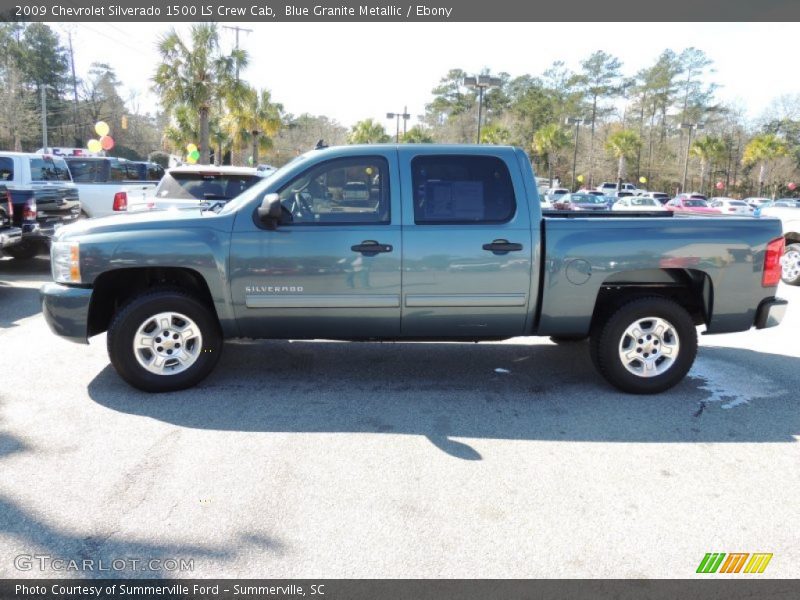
{"points": [[579, 178], [642, 179], [191, 148], [101, 128], [94, 146], [191, 159]]}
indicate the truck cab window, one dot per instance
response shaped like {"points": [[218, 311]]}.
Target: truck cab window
{"points": [[461, 189], [344, 191]]}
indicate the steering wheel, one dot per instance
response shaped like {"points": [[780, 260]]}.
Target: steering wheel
{"points": [[300, 206]]}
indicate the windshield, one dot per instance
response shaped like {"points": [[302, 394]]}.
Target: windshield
{"points": [[588, 199], [49, 168], [204, 185], [644, 202], [695, 203]]}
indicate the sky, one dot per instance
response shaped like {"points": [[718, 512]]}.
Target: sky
{"points": [[353, 71]]}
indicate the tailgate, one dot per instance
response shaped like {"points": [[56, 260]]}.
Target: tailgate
{"points": [[56, 204]]}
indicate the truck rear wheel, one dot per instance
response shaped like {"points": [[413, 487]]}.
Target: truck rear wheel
{"points": [[646, 346], [164, 340], [790, 265]]}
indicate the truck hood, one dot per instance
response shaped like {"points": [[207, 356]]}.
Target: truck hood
{"points": [[126, 222]]}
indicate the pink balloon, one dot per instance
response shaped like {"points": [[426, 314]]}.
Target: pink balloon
{"points": [[107, 142], [719, 185], [792, 186]]}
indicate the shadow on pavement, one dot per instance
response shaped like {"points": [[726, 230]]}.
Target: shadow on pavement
{"points": [[17, 303], [447, 391], [34, 537]]}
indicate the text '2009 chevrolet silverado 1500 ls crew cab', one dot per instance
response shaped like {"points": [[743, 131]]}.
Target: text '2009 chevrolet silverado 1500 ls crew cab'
{"points": [[444, 243]]}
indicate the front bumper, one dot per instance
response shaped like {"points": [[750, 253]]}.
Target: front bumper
{"points": [[10, 236], [770, 312], [66, 310]]}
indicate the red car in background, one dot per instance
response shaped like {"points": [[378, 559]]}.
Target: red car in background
{"points": [[691, 203]]}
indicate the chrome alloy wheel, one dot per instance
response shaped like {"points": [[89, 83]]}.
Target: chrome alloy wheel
{"points": [[790, 265], [649, 346], [167, 343]]}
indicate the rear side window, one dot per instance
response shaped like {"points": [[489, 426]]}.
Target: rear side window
{"points": [[6, 169], [119, 172], [49, 168], [204, 186], [461, 189], [154, 172], [84, 171]]}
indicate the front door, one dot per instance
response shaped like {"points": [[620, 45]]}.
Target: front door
{"points": [[331, 269]]}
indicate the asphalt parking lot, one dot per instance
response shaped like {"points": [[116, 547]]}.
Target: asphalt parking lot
{"points": [[323, 459]]}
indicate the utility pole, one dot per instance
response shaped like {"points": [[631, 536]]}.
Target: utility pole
{"points": [[44, 118], [691, 127], [74, 86], [237, 29]]}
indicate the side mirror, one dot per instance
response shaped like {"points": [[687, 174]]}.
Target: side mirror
{"points": [[269, 213]]}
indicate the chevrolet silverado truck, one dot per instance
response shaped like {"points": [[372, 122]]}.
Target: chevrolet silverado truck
{"points": [[449, 244], [43, 198]]}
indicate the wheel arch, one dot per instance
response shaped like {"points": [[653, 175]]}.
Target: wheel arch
{"points": [[113, 289]]}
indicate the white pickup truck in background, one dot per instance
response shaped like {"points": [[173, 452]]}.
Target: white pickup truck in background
{"points": [[108, 185]]}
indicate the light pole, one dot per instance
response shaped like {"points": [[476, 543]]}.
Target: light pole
{"points": [[481, 83], [691, 127], [405, 116], [577, 122]]}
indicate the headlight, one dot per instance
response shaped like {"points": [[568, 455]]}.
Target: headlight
{"points": [[65, 261]]}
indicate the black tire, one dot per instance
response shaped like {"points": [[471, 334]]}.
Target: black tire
{"points": [[24, 250], [790, 274], [609, 338], [123, 331], [567, 339]]}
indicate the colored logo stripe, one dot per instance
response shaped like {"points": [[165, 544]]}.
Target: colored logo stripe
{"points": [[734, 562], [711, 562], [758, 562]]}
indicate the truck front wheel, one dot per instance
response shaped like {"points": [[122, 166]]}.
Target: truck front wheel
{"points": [[164, 340], [26, 250], [790, 265], [646, 346]]}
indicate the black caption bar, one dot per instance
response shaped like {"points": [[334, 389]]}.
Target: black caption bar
{"points": [[397, 589], [383, 10]]}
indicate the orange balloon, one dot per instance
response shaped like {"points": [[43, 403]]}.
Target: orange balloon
{"points": [[107, 142]]}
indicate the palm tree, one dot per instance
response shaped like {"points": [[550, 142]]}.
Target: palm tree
{"points": [[549, 141], [623, 145], [495, 134], [763, 150], [254, 118], [417, 135], [197, 75], [709, 149], [368, 132]]}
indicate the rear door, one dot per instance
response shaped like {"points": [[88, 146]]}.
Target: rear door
{"points": [[332, 267], [467, 243]]}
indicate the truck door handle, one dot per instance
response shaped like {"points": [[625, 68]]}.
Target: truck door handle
{"points": [[371, 248], [502, 247]]}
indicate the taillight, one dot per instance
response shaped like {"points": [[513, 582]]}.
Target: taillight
{"points": [[29, 212], [10, 205], [121, 201], [772, 263]]}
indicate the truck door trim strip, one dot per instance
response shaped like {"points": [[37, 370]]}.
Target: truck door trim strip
{"points": [[322, 301], [466, 300]]}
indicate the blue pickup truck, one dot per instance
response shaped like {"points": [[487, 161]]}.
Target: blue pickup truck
{"points": [[438, 243]]}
